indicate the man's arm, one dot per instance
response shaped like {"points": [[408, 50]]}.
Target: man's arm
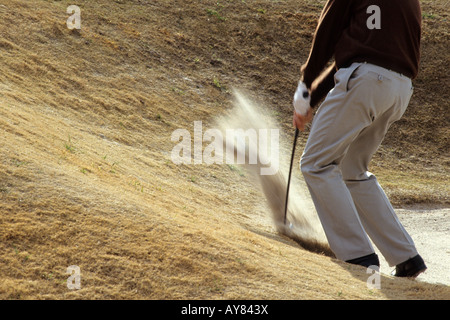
{"points": [[322, 85], [334, 19]]}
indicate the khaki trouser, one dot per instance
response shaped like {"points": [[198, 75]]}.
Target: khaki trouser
{"points": [[347, 130]]}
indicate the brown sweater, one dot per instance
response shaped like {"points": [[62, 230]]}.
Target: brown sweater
{"points": [[343, 33]]}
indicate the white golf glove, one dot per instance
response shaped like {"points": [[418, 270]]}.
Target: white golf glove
{"points": [[302, 99]]}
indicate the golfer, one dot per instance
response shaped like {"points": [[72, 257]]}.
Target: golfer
{"points": [[376, 47]]}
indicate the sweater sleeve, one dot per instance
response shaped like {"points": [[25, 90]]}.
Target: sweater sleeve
{"points": [[335, 17], [322, 85]]}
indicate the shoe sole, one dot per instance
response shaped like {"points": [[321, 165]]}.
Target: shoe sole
{"points": [[418, 273], [412, 276]]}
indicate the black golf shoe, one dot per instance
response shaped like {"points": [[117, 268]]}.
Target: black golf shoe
{"points": [[411, 268], [366, 261]]}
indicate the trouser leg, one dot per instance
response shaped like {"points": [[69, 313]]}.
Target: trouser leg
{"points": [[373, 206]]}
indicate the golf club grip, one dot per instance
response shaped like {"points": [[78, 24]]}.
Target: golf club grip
{"points": [[290, 174]]}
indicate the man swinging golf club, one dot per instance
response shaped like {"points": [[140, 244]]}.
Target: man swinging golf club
{"points": [[375, 45]]}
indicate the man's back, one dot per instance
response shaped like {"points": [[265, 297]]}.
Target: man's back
{"points": [[382, 32]]}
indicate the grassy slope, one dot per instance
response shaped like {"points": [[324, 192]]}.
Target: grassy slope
{"points": [[86, 176]]}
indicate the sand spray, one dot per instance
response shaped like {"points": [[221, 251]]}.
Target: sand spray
{"points": [[303, 224]]}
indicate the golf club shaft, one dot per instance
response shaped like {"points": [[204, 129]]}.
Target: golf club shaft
{"points": [[290, 174]]}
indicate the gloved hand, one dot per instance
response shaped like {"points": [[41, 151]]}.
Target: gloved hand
{"points": [[302, 99]]}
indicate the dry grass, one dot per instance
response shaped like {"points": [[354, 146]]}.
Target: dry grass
{"points": [[86, 176]]}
